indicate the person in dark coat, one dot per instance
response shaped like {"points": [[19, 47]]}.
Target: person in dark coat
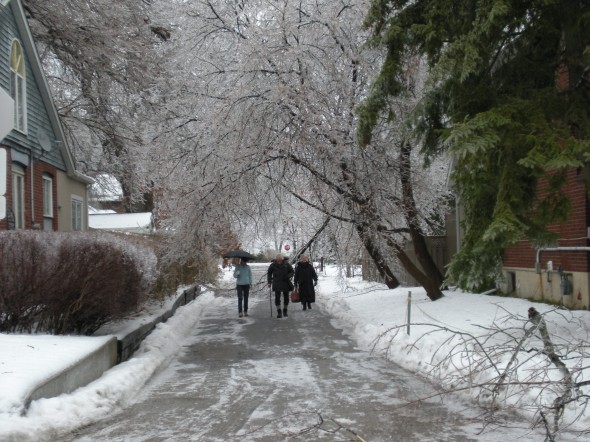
{"points": [[305, 280], [279, 277]]}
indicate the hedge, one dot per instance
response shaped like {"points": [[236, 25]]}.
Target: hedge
{"points": [[66, 283]]}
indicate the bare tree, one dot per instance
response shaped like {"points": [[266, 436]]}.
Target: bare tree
{"points": [[514, 363], [251, 116], [267, 108]]}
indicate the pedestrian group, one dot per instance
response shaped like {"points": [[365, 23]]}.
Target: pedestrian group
{"points": [[279, 277]]}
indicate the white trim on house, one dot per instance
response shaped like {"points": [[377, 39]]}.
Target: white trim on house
{"points": [[47, 196]]}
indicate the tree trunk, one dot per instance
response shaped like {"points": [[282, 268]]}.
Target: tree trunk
{"points": [[423, 256], [384, 271], [361, 207], [313, 238], [433, 290]]}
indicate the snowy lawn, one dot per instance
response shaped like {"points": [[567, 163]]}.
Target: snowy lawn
{"points": [[465, 342], [488, 326], [46, 418], [28, 360]]}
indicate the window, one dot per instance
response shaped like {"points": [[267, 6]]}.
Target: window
{"points": [[76, 213], [47, 196], [17, 86], [47, 202], [18, 196]]}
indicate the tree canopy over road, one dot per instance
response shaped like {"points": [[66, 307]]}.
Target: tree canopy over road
{"points": [[263, 119]]}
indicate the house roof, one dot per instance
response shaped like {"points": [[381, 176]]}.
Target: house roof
{"points": [[36, 67], [95, 211], [121, 221]]}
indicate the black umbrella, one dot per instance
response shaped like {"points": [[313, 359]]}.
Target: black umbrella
{"points": [[239, 254]]}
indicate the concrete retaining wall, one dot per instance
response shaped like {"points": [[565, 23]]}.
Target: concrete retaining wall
{"points": [[85, 371], [111, 353], [127, 345], [545, 287]]}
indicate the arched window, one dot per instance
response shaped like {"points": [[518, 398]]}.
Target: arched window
{"points": [[18, 86]]}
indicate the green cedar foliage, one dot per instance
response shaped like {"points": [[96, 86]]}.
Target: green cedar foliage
{"points": [[494, 103]]}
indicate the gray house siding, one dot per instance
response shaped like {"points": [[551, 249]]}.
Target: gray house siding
{"points": [[37, 115], [43, 123]]}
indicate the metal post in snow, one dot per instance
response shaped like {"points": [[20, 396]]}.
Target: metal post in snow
{"points": [[409, 311]]}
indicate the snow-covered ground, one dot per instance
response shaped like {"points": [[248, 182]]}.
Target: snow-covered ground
{"points": [[28, 360], [443, 347], [466, 341]]}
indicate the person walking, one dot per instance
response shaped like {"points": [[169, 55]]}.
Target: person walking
{"points": [[243, 275], [279, 277], [305, 280]]}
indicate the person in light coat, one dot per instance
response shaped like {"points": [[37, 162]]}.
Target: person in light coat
{"points": [[243, 275]]}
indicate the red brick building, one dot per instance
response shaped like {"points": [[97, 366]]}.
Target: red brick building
{"points": [[561, 272]]}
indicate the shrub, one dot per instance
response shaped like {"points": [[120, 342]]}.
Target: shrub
{"points": [[70, 282], [173, 274], [26, 264], [197, 265]]}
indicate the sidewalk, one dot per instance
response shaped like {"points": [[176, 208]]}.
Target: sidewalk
{"points": [[262, 378]]}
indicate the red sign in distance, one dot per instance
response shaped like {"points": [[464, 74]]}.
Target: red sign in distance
{"points": [[287, 247]]}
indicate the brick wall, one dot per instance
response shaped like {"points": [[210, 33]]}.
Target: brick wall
{"points": [[572, 233], [4, 224], [39, 168]]}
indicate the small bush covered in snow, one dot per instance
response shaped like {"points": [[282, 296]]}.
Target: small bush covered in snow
{"points": [[177, 269], [70, 282]]}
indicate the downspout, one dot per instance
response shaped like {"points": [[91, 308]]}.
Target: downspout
{"points": [[32, 170]]}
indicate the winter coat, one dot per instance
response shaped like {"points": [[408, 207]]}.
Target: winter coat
{"points": [[245, 276], [305, 279], [279, 275]]}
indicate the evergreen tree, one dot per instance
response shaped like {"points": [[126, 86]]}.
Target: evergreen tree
{"points": [[509, 98]]}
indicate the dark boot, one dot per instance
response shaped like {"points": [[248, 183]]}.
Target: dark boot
{"points": [[304, 306], [279, 313], [285, 312], [309, 305]]}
